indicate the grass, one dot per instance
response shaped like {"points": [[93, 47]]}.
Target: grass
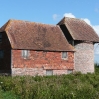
{"points": [[72, 86]]}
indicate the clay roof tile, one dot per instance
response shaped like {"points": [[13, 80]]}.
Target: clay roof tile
{"points": [[35, 36], [79, 29]]}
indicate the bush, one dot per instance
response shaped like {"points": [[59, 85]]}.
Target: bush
{"points": [[72, 86]]}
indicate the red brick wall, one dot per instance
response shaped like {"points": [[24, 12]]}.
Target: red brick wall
{"points": [[40, 60]]}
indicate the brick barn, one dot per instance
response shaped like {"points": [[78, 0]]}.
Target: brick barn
{"points": [[28, 48]]}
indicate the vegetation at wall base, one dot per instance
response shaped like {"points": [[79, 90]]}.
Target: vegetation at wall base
{"points": [[72, 86]]}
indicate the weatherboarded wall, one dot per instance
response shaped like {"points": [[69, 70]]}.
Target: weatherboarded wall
{"points": [[39, 61], [84, 57]]}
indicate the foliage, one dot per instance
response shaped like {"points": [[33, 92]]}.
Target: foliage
{"points": [[72, 86]]}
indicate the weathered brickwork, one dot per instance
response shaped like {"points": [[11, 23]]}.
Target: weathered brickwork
{"points": [[39, 61], [84, 57], [35, 71], [28, 71]]}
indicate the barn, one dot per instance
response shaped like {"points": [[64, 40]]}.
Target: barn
{"points": [[29, 48]]}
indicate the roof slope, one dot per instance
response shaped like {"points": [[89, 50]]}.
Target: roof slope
{"points": [[36, 36], [79, 29]]}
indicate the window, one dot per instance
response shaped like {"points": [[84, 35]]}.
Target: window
{"points": [[1, 53], [64, 55], [25, 54], [69, 71], [0, 37], [49, 72]]}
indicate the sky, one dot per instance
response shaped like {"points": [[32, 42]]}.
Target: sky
{"points": [[51, 12]]}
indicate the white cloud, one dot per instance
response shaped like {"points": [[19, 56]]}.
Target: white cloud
{"points": [[87, 21], [55, 16], [96, 28], [96, 48], [69, 15]]}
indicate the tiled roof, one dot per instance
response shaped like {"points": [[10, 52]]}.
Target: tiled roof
{"points": [[79, 29], [36, 36]]}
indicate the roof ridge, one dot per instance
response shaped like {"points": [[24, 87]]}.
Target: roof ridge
{"points": [[32, 22]]}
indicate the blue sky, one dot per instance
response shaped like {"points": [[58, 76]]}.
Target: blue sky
{"points": [[51, 12]]}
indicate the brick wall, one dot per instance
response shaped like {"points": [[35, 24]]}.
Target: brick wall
{"points": [[84, 57], [39, 61]]}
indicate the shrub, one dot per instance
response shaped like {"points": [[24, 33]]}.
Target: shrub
{"points": [[71, 86]]}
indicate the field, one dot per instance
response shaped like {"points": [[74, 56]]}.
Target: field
{"points": [[72, 86]]}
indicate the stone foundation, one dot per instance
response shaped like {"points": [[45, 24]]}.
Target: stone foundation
{"points": [[35, 71], [28, 71]]}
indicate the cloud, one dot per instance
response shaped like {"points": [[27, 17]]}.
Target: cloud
{"points": [[87, 21], [69, 15], [96, 48], [56, 16], [96, 28]]}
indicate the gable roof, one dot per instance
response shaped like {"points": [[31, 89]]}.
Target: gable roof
{"points": [[79, 29], [36, 36]]}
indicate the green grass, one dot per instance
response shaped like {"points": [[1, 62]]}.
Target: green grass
{"points": [[72, 86]]}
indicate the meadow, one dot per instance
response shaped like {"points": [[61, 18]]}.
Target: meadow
{"points": [[71, 86]]}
